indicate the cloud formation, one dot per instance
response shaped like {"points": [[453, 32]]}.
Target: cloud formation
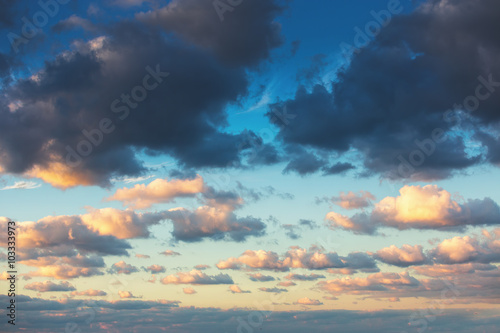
{"points": [[297, 258], [390, 113], [46, 286], [158, 191], [197, 277], [420, 207]]}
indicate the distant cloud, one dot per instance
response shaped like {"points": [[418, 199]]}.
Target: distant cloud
{"points": [[237, 290], [50, 286], [260, 277], [89, 292], [420, 207], [22, 185], [197, 277], [158, 191], [189, 291], [298, 258], [170, 253], [273, 290], [126, 294], [308, 301], [122, 267], [155, 269]]}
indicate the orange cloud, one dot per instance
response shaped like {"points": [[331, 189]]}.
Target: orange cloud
{"points": [[405, 256], [237, 290], [89, 292], [158, 191], [351, 200], [308, 301], [189, 291]]}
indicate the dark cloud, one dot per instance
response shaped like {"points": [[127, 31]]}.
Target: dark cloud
{"points": [[7, 13], [167, 314], [337, 168], [398, 88], [182, 117], [246, 35]]}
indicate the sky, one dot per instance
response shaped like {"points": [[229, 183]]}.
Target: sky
{"points": [[250, 165]]}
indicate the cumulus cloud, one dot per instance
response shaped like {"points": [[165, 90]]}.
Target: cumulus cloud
{"points": [[156, 269], [466, 249], [261, 277], [126, 294], [273, 290], [50, 286], [170, 253], [215, 221], [142, 256], [302, 277], [308, 301], [158, 191], [196, 277], [189, 291], [237, 290], [123, 224], [351, 200], [297, 258], [122, 267], [63, 236], [420, 207], [405, 256], [89, 292], [378, 282], [286, 284]]}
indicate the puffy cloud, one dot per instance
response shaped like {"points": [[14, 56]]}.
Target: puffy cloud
{"points": [[213, 222], [197, 277], [404, 121], [297, 258], [50, 286], [156, 269], [302, 277], [351, 200], [89, 292], [308, 301], [287, 284], [126, 294], [122, 267], [273, 290], [260, 277], [158, 191], [123, 224], [170, 253], [468, 249], [405, 256], [359, 224], [201, 267], [54, 235], [189, 291], [442, 270], [142, 256], [378, 282], [237, 290], [420, 207]]}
